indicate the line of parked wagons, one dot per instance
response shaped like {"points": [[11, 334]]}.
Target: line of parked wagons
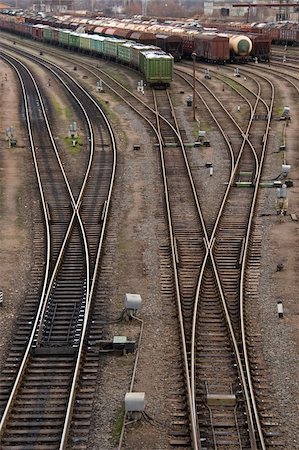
{"points": [[283, 33], [178, 40], [208, 44], [151, 61]]}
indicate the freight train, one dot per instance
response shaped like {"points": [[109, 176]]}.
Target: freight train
{"points": [[155, 65], [283, 33], [180, 42]]}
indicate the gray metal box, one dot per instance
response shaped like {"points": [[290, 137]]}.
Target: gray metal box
{"points": [[132, 301], [134, 401], [119, 342]]}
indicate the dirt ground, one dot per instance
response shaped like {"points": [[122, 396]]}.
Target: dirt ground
{"points": [[15, 206], [140, 219]]}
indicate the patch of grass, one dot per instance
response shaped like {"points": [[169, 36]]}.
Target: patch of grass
{"points": [[69, 144], [118, 76], [68, 113], [61, 110], [57, 106], [107, 109], [117, 426], [124, 137], [232, 83], [204, 126], [279, 110], [243, 112]]}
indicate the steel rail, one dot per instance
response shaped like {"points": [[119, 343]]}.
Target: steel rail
{"points": [[210, 243], [243, 269], [243, 273], [43, 302], [236, 350], [244, 135], [65, 432], [48, 247], [176, 281], [283, 75], [175, 263], [114, 91], [85, 322], [99, 250], [172, 242], [200, 279]]}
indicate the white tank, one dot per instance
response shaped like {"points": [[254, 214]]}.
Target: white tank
{"points": [[241, 45]]}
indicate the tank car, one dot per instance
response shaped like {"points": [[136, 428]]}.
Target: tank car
{"points": [[240, 45]]}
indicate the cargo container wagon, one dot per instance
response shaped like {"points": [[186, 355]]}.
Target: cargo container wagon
{"points": [[155, 65], [212, 48], [261, 46]]}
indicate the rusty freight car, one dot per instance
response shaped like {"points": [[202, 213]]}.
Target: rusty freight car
{"points": [[261, 47], [212, 48]]}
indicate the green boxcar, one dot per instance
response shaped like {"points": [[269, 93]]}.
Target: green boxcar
{"points": [[85, 41], [136, 51], [97, 44], [74, 40], [111, 46], [64, 36], [48, 34], [55, 36], [125, 52], [157, 67]]}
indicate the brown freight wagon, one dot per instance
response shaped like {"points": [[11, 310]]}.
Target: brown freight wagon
{"points": [[143, 37], [123, 33], [188, 43], [110, 31], [55, 35], [170, 44], [89, 29], [261, 46], [38, 32], [212, 48], [289, 35]]}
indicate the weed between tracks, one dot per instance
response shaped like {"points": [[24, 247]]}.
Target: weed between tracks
{"points": [[118, 76], [279, 110], [107, 109], [62, 110], [232, 83], [117, 426], [69, 143]]}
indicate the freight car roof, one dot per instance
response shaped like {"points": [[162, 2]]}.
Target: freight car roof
{"points": [[156, 55]]}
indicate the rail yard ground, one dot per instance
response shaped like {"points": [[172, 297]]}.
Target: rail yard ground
{"points": [[139, 230]]}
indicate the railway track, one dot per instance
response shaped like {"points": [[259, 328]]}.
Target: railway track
{"points": [[223, 421], [237, 438], [284, 54], [219, 404], [49, 372]]}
